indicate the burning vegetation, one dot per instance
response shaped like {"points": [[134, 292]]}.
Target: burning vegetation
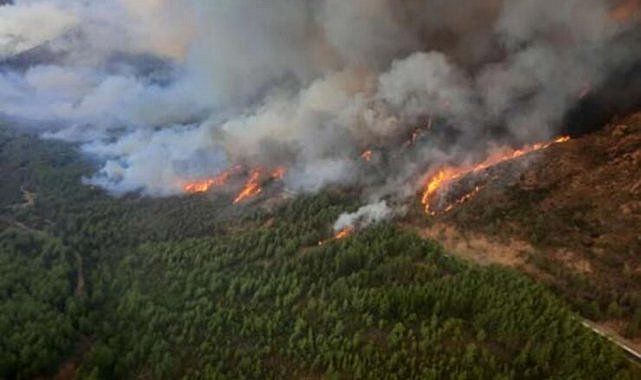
{"points": [[252, 187], [378, 265], [444, 177], [340, 234], [437, 182], [378, 122], [370, 95], [367, 155], [209, 183]]}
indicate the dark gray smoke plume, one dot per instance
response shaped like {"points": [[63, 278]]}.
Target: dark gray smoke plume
{"points": [[164, 91]]}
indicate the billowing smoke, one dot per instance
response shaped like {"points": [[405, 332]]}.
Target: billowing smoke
{"points": [[365, 216], [18, 32], [164, 92]]}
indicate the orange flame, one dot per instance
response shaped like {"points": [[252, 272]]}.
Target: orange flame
{"points": [[343, 233], [462, 199], [278, 173], [251, 188], [449, 174], [206, 184], [340, 234], [367, 155]]}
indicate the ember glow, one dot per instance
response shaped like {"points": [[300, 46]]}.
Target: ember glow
{"points": [[340, 234], [447, 175], [252, 187], [462, 199], [345, 232], [278, 173]]}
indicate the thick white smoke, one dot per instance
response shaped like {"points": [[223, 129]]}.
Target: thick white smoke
{"points": [[365, 216], [163, 91], [22, 28]]}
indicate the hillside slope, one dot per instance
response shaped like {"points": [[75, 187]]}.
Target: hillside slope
{"points": [[126, 288], [569, 215]]}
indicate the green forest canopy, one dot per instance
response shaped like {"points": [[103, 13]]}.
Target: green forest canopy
{"points": [[189, 288]]}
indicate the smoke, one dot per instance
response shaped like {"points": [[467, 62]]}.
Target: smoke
{"points": [[162, 92], [365, 216], [18, 32]]}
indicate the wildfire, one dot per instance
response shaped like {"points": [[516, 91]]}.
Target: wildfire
{"points": [[340, 234], [251, 188], [345, 232], [205, 185], [449, 174], [253, 185], [278, 173], [367, 155], [463, 199]]}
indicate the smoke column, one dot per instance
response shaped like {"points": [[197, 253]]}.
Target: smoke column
{"points": [[162, 92]]}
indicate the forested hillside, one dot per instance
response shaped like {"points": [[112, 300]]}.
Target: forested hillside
{"points": [[570, 217], [98, 287]]}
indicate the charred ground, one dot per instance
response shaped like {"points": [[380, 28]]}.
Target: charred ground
{"points": [[570, 216]]}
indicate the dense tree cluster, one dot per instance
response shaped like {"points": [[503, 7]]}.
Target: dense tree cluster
{"points": [[37, 305], [190, 288]]}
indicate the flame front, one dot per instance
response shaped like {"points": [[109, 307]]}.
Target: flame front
{"points": [[435, 182], [449, 174], [206, 184], [252, 187], [463, 199]]}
